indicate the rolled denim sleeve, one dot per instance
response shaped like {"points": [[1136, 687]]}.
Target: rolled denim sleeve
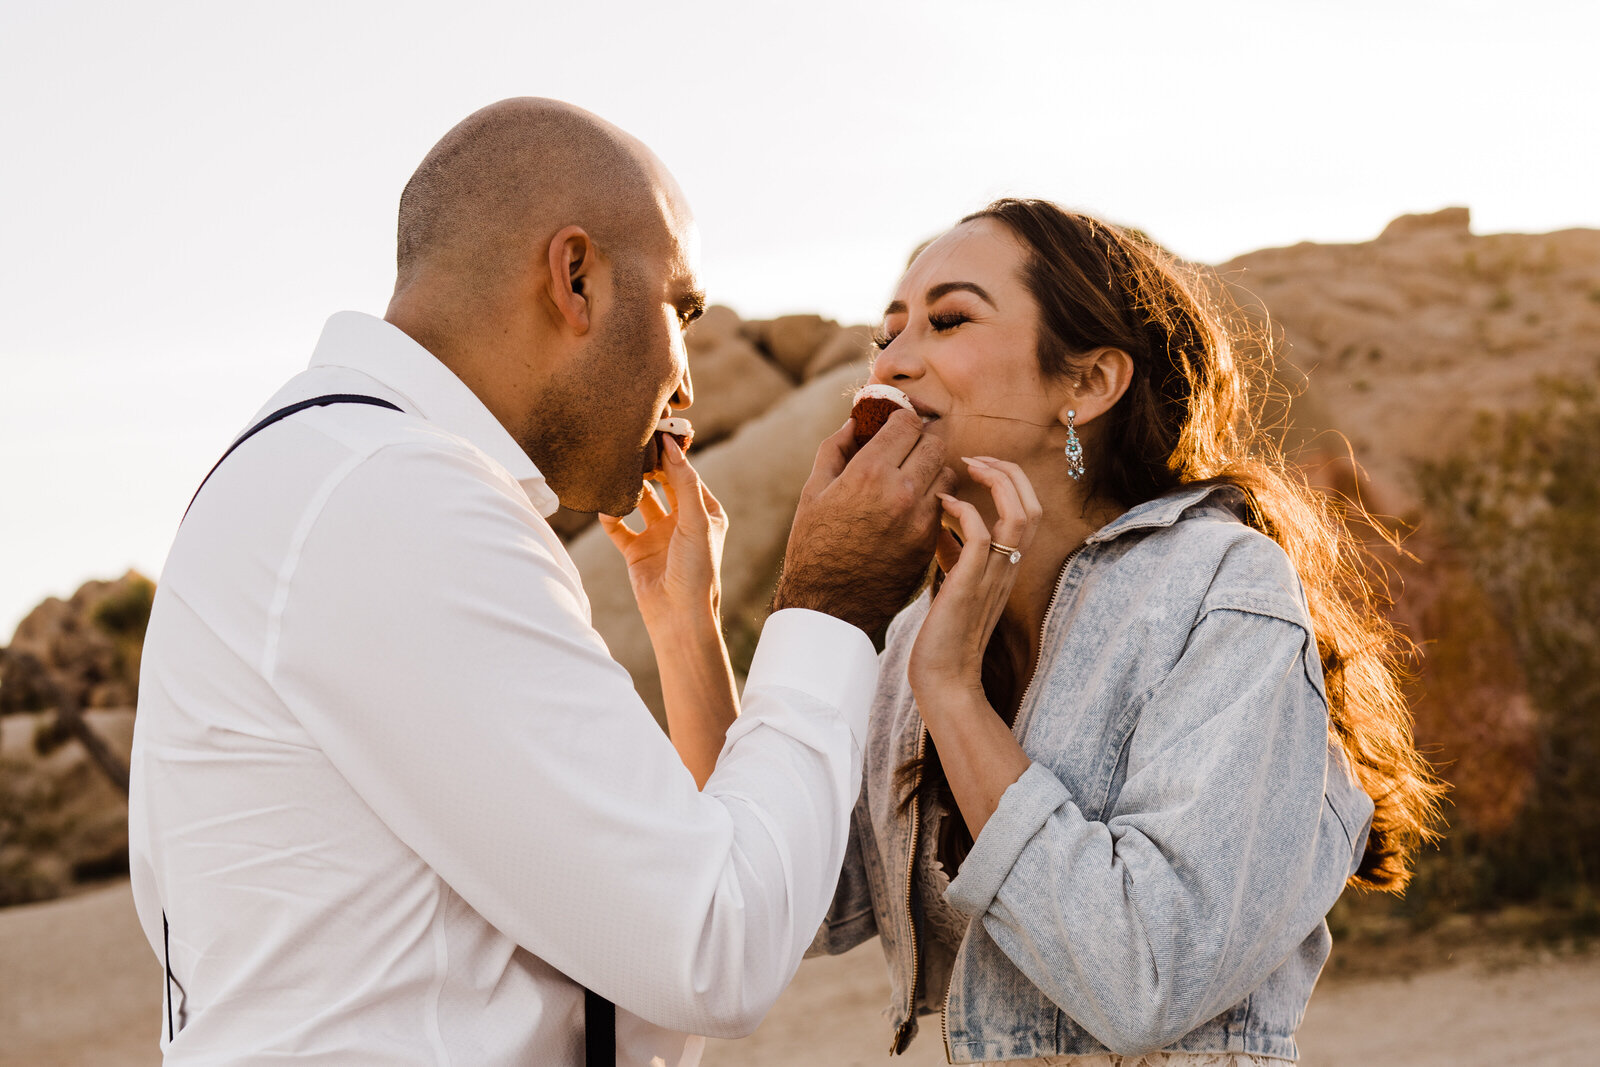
{"points": [[1219, 856], [1024, 808]]}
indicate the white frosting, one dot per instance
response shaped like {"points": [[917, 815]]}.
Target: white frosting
{"points": [[676, 427], [882, 392]]}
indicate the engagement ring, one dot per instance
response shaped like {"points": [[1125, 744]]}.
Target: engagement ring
{"points": [[1014, 555]]}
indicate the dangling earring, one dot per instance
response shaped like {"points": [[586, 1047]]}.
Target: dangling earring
{"points": [[1074, 449]]}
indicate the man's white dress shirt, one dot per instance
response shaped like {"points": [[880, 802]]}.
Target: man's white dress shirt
{"points": [[396, 800]]}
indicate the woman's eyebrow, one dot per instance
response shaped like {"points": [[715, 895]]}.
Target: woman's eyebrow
{"points": [[944, 288], [898, 307]]}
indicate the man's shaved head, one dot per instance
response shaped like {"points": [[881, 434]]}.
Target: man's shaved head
{"points": [[508, 176], [546, 257]]}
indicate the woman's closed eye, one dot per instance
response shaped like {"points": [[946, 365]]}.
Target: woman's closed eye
{"points": [[941, 323]]}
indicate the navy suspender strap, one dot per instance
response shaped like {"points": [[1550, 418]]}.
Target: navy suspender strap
{"points": [[166, 961], [284, 413], [599, 1030], [600, 1015], [276, 416]]}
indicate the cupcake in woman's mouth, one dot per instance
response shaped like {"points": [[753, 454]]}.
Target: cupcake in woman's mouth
{"points": [[872, 406]]}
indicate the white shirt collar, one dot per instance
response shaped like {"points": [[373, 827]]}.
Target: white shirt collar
{"points": [[379, 349]]}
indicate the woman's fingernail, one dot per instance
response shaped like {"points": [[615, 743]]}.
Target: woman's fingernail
{"points": [[946, 497], [974, 461]]}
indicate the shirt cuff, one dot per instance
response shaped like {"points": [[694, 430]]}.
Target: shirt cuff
{"points": [[821, 656], [1023, 809]]}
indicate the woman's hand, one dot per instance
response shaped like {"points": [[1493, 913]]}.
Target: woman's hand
{"points": [[980, 754], [674, 566], [675, 563], [948, 653]]}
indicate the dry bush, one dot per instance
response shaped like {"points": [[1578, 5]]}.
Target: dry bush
{"points": [[1520, 511]]}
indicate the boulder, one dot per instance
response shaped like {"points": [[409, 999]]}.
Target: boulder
{"points": [[717, 324], [1430, 320], [61, 820], [87, 646], [1450, 220], [732, 384], [791, 341], [757, 475], [849, 345]]}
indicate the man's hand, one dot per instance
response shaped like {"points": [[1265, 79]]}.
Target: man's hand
{"points": [[866, 525]]}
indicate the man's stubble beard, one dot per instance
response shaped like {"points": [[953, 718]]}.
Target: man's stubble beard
{"points": [[578, 439]]}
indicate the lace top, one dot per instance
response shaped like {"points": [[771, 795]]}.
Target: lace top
{"points": [[940, 927]]}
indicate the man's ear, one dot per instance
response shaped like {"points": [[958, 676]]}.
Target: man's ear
{"points": [[572, 267], [1103, 376]]}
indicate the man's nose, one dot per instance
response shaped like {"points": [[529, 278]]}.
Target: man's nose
{"points": [[683, 396]]}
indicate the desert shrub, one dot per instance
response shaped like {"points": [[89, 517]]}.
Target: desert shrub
{"points": [[1521, 506], [125, 615], [127, 611]]}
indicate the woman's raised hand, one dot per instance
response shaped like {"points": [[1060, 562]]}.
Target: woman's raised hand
{"points": [[674, 566], [948, 653], [674, 563]]}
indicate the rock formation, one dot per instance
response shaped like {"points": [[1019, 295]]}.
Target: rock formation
{"points": [[68, 682], [1397, 343]]}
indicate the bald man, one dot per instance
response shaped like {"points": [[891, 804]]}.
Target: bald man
{"points": [[392, 801]]}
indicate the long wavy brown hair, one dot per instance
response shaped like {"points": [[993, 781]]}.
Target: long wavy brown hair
{"points": [[1189, 417]]}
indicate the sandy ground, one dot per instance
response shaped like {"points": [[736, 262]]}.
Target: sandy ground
{"points": [[79, 987]]}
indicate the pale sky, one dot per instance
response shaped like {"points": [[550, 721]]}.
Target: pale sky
{"points": [[187, 190]]}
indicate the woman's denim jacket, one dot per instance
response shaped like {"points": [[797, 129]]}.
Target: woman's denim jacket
{"points": [[1159, 876]]}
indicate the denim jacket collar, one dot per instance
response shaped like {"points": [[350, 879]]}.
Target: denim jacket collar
{"points": [[1166, 510]]}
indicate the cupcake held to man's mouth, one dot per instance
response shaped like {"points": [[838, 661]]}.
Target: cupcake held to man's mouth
{"points": [[680, 430]]}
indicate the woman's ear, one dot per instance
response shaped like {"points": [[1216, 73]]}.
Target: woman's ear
{"points": [[1103, 376], [572, 268]]}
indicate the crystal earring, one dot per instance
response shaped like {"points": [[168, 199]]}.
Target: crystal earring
{"points": [[1074, 449]]}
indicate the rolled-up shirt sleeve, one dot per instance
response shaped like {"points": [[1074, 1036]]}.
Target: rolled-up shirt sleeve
{"points": [[1219, 856], [480, 716]]}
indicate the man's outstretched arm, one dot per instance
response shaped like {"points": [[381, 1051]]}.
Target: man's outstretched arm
{"points": [[479, 715]]}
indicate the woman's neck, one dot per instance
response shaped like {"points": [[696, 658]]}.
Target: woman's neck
{"points": [[1058, 536]]}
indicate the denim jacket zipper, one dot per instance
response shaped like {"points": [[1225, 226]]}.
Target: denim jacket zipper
{"points": [[898, 1044], [1044, 626]]}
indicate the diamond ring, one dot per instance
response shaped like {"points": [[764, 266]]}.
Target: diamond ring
{"points": [[1012, 555]]}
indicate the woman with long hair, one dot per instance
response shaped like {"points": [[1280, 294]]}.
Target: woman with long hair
{"points": [[1146, 723]]}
